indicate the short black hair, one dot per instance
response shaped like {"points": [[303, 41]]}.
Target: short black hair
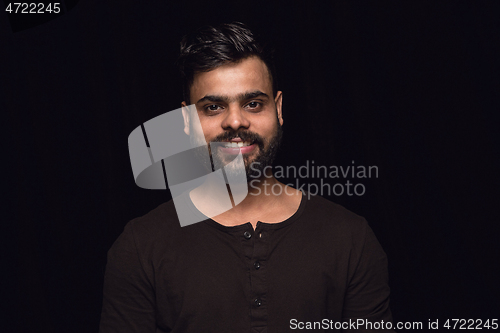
{"points": [[210, 47]]}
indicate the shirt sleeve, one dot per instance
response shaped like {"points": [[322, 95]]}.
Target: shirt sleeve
{"points": [[367, 296], [128, 294]]}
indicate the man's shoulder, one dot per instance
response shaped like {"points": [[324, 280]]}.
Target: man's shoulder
{"points": [[161, 221], [323, 207], [324, 213]]}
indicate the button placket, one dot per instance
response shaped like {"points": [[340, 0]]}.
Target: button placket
{"points": [[256, 265], [254, 243]]}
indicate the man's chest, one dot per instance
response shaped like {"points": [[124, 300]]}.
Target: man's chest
{"points": [[256, 277]]}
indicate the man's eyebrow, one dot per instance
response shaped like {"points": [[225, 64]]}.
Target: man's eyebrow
{"points": [[243, 96], [253, 94]]}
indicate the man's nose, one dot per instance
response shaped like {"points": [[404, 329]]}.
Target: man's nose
{"points": [[235, 118]]}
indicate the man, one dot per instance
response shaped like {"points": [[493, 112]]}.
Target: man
{"points": [[272, 263]]}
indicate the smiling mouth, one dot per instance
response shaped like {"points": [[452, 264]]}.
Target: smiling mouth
{"points": [[239, 144]]}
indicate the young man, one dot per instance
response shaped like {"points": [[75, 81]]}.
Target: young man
{"points": [[272, 263]]}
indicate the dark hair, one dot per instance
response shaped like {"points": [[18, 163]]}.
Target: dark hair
{"points": [[210, 47]]}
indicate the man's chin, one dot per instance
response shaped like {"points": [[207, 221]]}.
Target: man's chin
{"points": [[253, 170], [223, 160]]}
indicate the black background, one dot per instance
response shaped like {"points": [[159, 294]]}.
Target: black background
{"points": [[411, 87]]}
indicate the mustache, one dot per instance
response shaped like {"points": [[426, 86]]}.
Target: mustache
{"points": [[243, 135]]}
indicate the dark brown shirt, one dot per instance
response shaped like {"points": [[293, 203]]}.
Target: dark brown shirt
{"points": [[322, 266]]}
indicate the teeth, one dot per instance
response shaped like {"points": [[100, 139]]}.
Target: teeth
{"points": [[237, 144]]}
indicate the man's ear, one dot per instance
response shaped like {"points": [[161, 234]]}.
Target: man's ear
{"points": [[278, 101], [185, 115]]}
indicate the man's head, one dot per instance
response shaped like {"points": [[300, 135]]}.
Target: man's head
{"points": [[228, 77], [210, 47]]}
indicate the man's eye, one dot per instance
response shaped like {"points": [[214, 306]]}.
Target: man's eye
{"points": [[253, 105], [212, 107]]}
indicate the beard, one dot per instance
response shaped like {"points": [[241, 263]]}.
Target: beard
{"points": [[254, 168]]}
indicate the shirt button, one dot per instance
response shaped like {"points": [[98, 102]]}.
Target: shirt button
{"points": [[247, 235], [256, 265], [258, 302]]}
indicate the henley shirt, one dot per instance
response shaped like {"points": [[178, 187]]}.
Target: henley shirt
{"points": [[317, 269]]}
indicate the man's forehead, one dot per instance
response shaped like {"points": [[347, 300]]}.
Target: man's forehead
{"points": [[233, 80]]}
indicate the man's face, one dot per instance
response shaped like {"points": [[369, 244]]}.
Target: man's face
{"points": [[236, 108]]}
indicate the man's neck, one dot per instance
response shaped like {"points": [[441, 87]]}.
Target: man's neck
{"points": [[267, 200]]}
